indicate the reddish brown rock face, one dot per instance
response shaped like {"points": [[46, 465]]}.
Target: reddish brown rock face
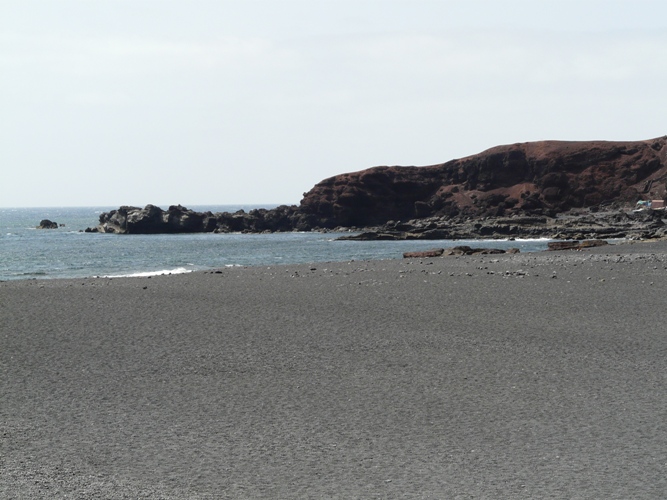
{"points": [[534, 177]]}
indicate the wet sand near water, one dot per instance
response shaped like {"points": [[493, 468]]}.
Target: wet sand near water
{"points": [[511, 376]]}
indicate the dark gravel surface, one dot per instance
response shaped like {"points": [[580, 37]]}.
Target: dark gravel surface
{"points": [[524, 376]]}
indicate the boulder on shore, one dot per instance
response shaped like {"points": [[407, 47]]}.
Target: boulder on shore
{"points": [[433, 252], [575, 245], [466, 250]]}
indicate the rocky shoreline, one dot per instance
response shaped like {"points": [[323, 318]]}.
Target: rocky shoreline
{"points": [[627, 224], [572, 225], [178, 219]]}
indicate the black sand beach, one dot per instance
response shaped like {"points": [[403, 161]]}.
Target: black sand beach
{"points": [[517, 376]]}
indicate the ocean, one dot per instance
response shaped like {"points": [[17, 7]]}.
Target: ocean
{"points": [[68, 252]]}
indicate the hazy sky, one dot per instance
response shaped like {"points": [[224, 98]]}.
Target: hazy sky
{"points": [[113, 102]]}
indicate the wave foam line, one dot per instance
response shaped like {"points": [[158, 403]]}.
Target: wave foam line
{"points": [[145, 274]]}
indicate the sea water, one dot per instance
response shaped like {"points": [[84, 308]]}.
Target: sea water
{"points": [[68, 252]]}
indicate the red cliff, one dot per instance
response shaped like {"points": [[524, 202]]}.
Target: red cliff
{"points": [[533, 177]]}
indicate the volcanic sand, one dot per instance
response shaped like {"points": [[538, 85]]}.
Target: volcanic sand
{"points": [[513, 376]]}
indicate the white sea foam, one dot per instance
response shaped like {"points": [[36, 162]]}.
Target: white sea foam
{"points": [[524, 240], [178, 270]]}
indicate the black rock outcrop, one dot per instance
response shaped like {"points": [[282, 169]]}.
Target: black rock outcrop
{"points": [[47, 224], [178, 219]]}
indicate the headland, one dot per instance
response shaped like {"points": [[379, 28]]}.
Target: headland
{"points": [[555, 189]]}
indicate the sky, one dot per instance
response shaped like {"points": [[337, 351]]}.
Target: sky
{"points": [[210, 102]]}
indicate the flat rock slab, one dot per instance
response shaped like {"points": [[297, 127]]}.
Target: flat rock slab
{"points": [[575, 245], [433, 252]]}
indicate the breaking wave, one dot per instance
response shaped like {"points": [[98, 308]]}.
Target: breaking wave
{"points": [[145, 274]]}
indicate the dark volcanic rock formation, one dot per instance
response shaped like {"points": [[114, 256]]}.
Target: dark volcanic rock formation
{"points": [[546, 177], [152, 220], [572, 225], [178, 219], [47, 224]]}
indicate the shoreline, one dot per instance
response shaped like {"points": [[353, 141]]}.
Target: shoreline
{"points": [[593, 223], [519, 376], [485, 244]]}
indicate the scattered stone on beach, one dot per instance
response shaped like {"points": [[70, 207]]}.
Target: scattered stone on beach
{"points": [[48, 224], [520, 273], [563, 245]]}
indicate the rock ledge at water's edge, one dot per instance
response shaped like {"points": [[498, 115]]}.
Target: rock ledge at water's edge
{"points": [[178, 219]]}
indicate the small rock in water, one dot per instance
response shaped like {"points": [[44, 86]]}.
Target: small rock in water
{"points": [[47, 224]]}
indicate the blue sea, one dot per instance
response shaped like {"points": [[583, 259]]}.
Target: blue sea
{"points": [[68, 252]]}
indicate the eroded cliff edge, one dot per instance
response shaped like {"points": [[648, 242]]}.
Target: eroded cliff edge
{"points": [[533, 178]]}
